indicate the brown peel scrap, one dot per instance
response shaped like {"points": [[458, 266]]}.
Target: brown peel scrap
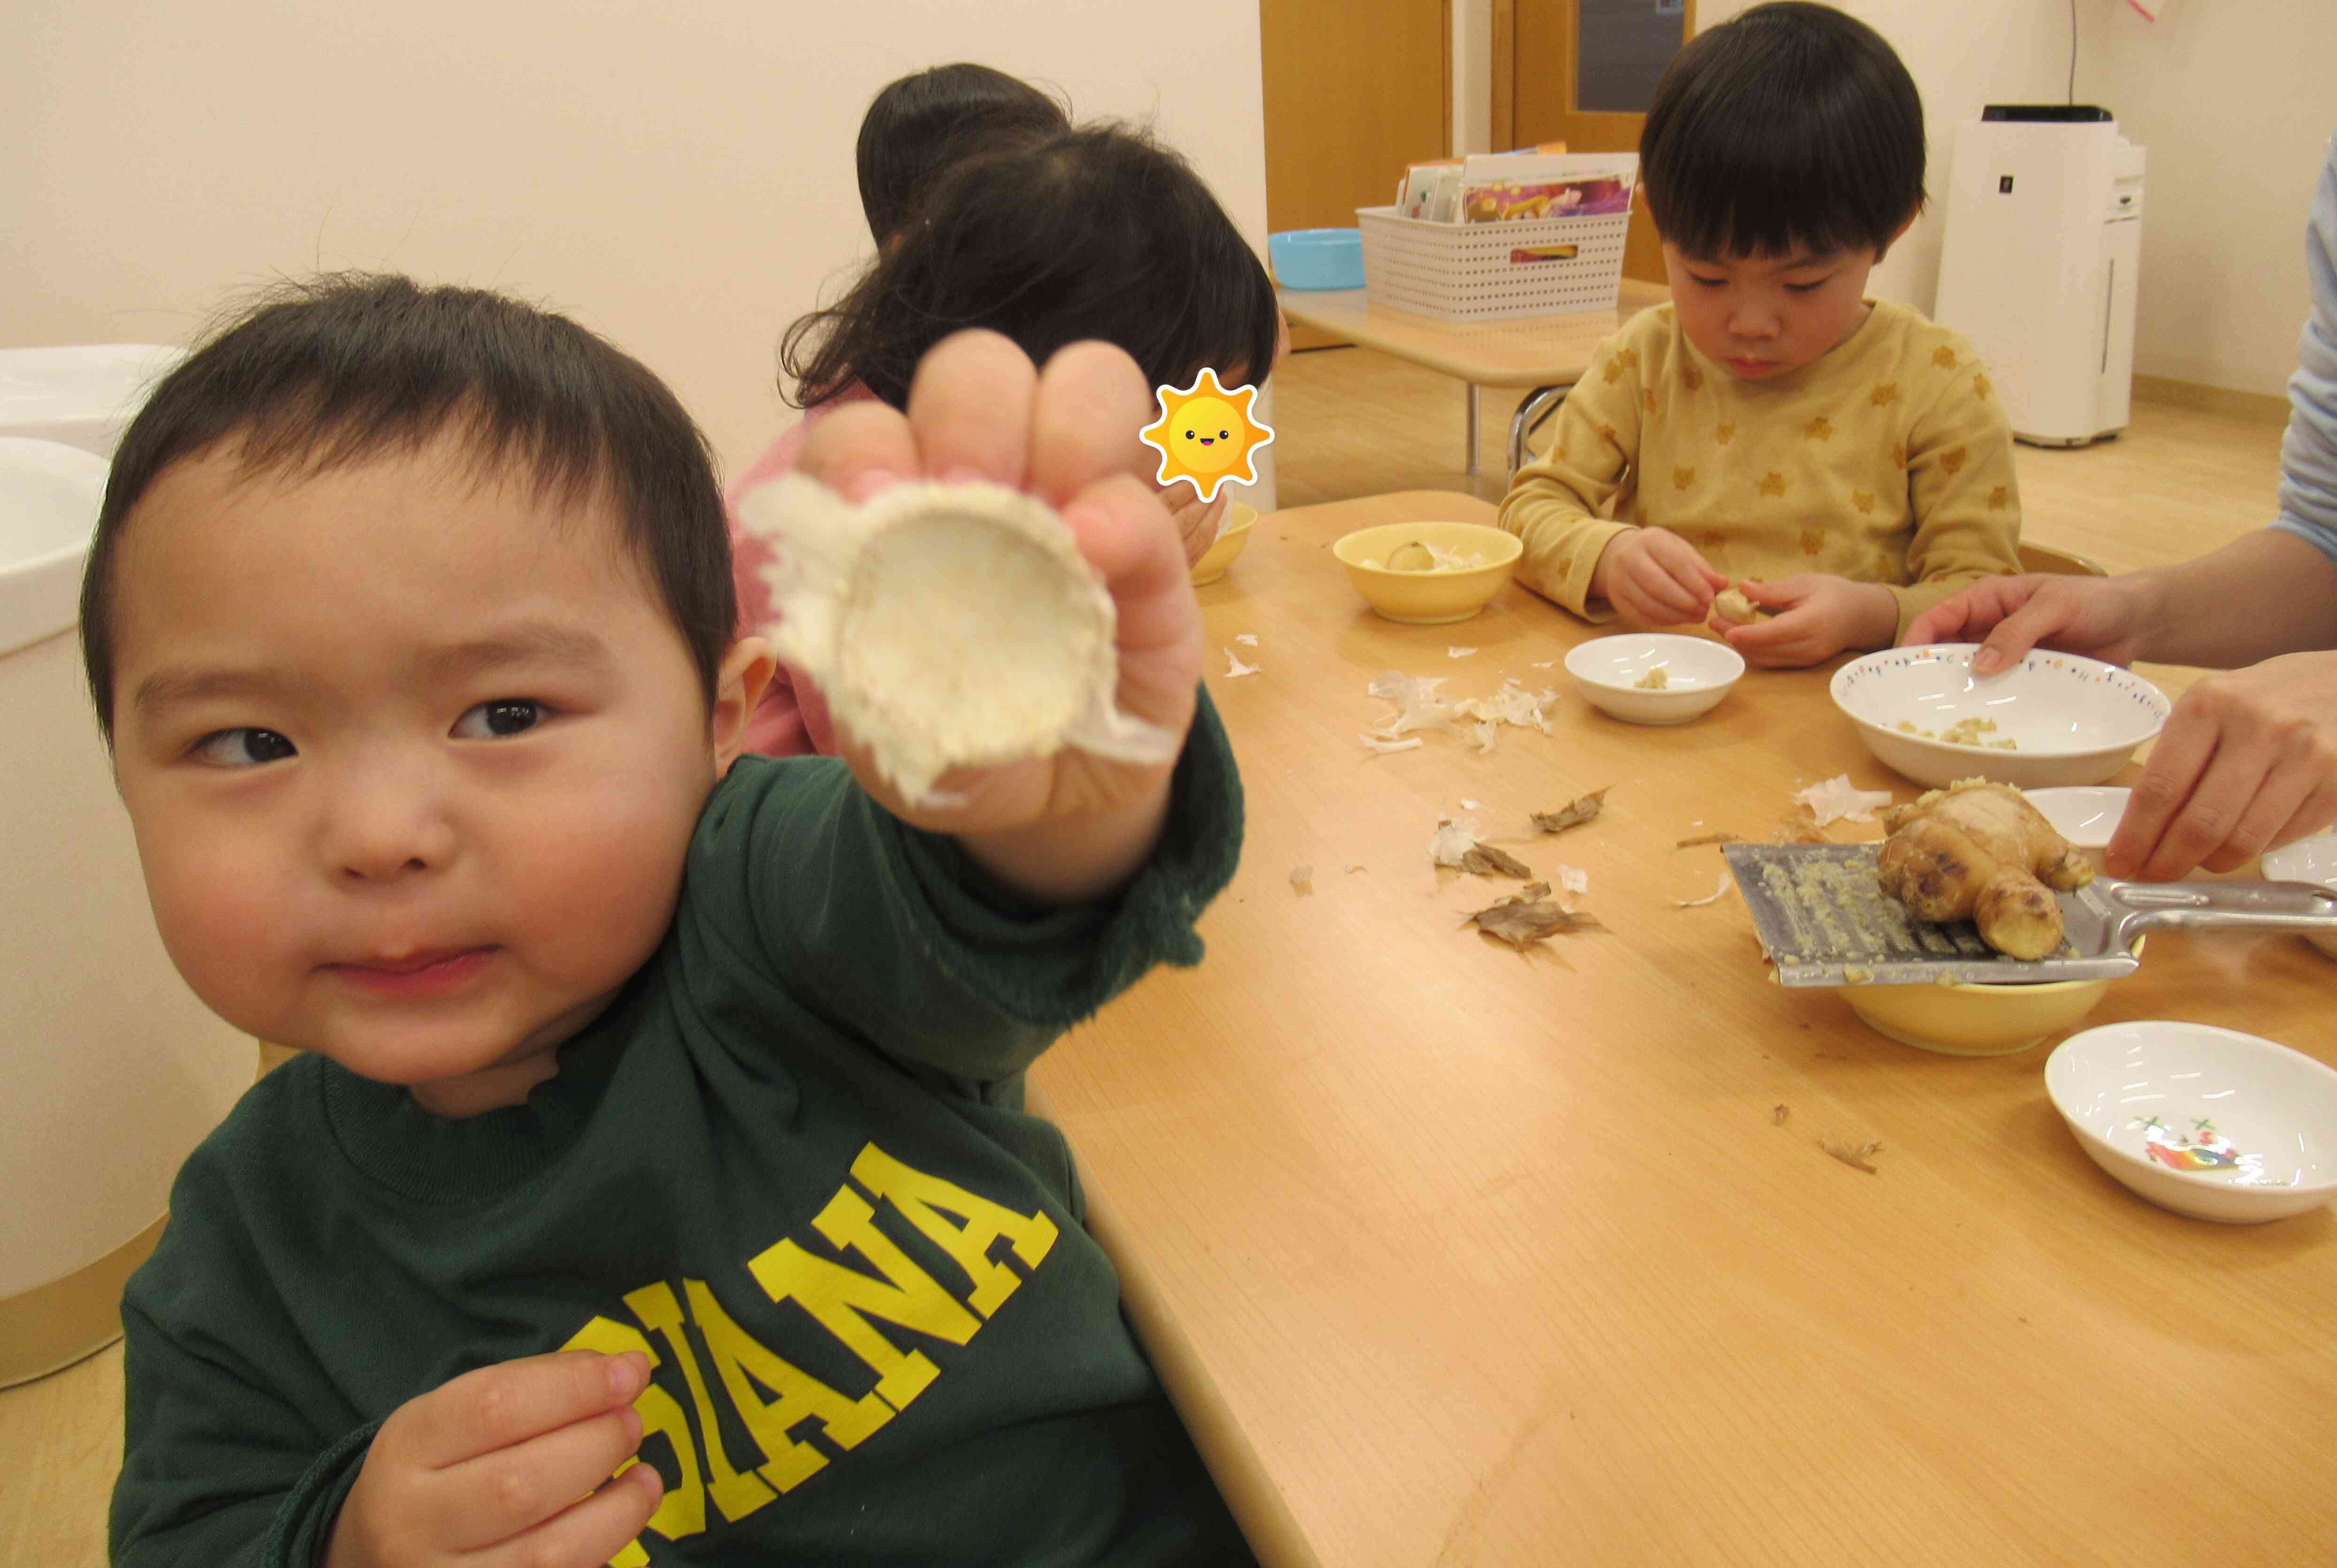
{"points": [[1531, 916], [1573, 815], [1799, 826], [1485, 860], [1703, 838], [1854, 1155], [1777, 1117]]}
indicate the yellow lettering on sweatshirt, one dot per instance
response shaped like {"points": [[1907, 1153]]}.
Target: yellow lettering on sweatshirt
{"points": [[682, 1512], [735, 1495], [922, 1200], [796, 1397], [842, 1299]]}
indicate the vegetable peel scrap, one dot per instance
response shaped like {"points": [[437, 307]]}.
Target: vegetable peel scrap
{"points": [[1379, 747], [1420, 707], [1838, 799], [1854, 1155], [1714, 896], [1485, 860], [1531, 916], [1777, 1117], [1574, 815], [1302, 879], [1235, 668], [1703, 838], [1452, 840]]}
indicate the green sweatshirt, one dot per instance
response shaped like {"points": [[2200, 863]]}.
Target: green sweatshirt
{"points": [[789, 1160]]}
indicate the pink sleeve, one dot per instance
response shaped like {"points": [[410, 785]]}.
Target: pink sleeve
{"points": [[792, 718]]}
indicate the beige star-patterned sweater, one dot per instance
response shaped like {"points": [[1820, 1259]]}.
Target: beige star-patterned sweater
{"points": [[1887, 460]]}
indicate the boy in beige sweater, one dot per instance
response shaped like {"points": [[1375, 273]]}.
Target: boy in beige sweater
{"points": [[1844, 458]]}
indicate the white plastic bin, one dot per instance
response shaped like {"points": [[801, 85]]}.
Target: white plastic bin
{"points": [[109, 1070], [1478, 271], [81, 395]]}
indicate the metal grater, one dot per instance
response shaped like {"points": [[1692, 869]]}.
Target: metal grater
{"points": [[1824, 919]]}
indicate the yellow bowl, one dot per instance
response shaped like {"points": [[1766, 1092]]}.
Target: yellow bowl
{"points": [[1218, 556], [1428, 598], [1974, 1020]]}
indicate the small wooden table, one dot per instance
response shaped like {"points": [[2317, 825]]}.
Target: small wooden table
{"points": [[1547, 353], [1451, 1254]]}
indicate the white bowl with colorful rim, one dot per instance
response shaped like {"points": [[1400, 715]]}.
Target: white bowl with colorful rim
{"points": [[2207, 1121], [2307, 861], [2088, 814], [2051, 720], [1653, 677]]}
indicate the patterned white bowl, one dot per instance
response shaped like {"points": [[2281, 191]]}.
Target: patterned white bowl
{"points": [[2306, 860], [2207, 1121], [2073, 720]]}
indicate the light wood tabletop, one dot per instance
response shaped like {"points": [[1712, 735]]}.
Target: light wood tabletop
{"points": [[1546, 353], [1507, 351], [1452, 1254]]}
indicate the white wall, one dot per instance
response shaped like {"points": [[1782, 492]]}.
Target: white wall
{"points": [[1962, 54], [677, 176], [2233, 100]]}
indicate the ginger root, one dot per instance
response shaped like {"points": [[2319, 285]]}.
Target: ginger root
{"points": [[1980, 851]]}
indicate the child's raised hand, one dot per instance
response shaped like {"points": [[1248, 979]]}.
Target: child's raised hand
{"points": [[1074, 825], [1817, 616], [1653, 577], [506, 1464]]}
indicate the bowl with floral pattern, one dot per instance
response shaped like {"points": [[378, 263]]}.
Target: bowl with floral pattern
{"points": [[2052, 719]]}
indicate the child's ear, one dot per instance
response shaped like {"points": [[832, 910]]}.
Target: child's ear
{"points": [[738, 688]]}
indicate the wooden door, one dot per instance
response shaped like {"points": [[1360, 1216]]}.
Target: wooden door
{"points": [[1540, 82], [1355, 90]]}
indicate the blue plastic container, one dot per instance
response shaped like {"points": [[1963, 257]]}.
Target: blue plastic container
{"points": [[1317, 258]]}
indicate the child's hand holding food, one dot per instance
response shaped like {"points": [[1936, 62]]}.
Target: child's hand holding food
{"points": [[1814, 616], [1073, 825], [1653, 577]]}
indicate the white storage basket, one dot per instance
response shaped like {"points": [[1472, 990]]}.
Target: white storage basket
{"points": [[1476, 271]]}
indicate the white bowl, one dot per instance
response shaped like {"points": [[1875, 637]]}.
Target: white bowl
{"points": [[2123, 1088], [2072, 721], [2306, 860], [2088, 814], [1697, 673]]}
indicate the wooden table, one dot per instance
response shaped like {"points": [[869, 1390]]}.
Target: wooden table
{"points": [[1452, 1255], [1547, 353]]}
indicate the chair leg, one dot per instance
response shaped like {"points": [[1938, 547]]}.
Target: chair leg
{"points": [[1469, 392], [1538, 406]]}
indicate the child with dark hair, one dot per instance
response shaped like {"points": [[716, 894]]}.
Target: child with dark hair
{"points": [[1844, 458], [1097, 233], [924, 122], [654, 1186]]}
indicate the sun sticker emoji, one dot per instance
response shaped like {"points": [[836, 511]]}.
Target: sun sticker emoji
{"points": [[1206, 434]]}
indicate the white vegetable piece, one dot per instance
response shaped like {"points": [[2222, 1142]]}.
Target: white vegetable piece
{"points": [[947, 625], [1452, 840], [1838, 799]]}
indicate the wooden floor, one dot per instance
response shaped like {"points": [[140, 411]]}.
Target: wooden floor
{"points": [[1348, 422]]}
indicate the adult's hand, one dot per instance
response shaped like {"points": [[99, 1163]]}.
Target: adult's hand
{"points": [[2105, 618], [2248, 762]]}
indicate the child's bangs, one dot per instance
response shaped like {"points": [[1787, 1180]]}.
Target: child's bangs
{"points": [[1766, 189]]}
